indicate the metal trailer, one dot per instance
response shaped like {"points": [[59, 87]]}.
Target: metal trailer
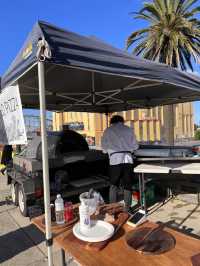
{"points": [[74, 168]]}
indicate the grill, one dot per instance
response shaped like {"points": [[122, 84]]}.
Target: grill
{"points": [[74, 168]]}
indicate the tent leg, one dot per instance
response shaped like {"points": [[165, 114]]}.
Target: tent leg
{"points": [[45, 162]]}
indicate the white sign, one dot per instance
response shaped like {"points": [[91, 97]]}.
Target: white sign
{"points": [[12, 128]]}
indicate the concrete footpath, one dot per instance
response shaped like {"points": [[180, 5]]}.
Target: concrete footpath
{"points": [[21, 243]]}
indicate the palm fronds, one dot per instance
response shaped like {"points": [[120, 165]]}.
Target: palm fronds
{"points": [[173, 35]]}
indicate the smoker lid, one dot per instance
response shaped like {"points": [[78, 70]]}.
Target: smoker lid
{"points": [[59, 143]]}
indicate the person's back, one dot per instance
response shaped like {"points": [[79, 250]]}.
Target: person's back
{"points": [[121, 137], [119, 142]]}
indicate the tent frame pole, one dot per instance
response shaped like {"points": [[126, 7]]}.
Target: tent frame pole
{"points": [[45, 162]]}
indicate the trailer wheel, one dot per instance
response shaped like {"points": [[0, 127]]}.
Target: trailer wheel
{"points": [[22, 201], [14, 193]]}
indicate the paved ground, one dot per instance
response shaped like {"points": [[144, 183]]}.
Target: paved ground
{"points": [[178, 214], [21, 244]]}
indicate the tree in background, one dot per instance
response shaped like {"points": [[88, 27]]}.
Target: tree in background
{"points": [[173, 34], [197, 134], [196, 126]]}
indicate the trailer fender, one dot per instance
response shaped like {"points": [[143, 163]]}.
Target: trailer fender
{"points": [[28, 187]]}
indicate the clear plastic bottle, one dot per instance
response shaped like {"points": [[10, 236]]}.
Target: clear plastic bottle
{"points": [[59, 210]]}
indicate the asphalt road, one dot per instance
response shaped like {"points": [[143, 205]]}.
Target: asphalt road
{"points": [[21, 243]]}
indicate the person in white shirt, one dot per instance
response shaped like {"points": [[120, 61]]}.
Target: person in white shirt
{"points": [[119, 142]]}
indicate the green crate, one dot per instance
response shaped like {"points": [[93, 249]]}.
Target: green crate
{"points": [[150, 194]]}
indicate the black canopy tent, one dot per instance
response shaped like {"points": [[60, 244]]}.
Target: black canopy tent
{"points": [[63, 71], [85, 74]]}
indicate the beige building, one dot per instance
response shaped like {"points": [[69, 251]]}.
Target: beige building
{"points": [[149, 124]]}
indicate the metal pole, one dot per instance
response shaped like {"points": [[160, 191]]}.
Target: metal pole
{"points": [[93, 89], [45, 162], [144, 193], [173, 124], [140, 190], [63, 257]]}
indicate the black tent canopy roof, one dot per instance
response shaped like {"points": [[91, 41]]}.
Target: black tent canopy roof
{"points": [[85, 74]]}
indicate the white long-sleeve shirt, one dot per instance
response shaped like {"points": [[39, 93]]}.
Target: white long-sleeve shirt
{"points": [[119, 138]]}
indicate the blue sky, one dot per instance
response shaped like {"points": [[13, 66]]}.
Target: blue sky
{"points": [[109, 20]]}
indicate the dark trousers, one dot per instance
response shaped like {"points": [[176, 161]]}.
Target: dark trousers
{"points": [[121, 175], [127, 196]]}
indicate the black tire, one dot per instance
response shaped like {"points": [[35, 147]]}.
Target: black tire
{"points": [[14, 192], [22, 201]]}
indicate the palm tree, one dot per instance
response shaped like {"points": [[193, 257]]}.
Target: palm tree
{"points": [[173, 36]]}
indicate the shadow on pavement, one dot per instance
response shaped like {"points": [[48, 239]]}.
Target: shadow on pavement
{"points": [[184, 229], [18, 241]]}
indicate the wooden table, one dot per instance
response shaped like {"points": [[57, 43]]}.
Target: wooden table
{"points": [[38, 222], [118, 253]]}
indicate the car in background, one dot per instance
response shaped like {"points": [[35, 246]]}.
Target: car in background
{"points": [[196, 149]]}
